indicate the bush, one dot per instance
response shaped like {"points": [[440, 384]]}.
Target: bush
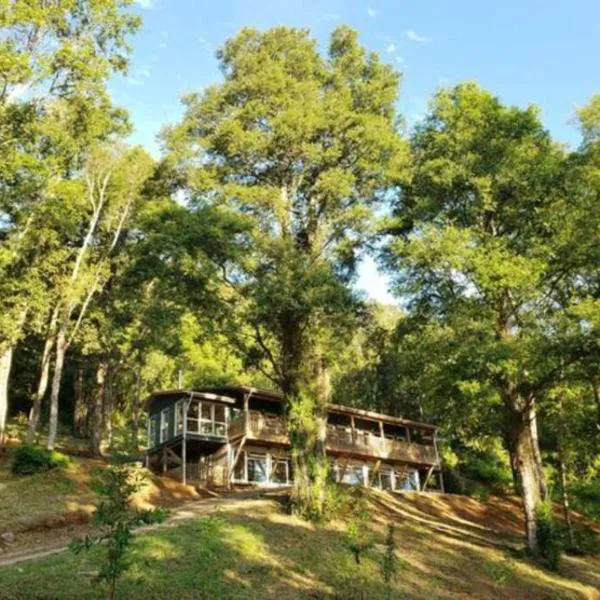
{"points": [[488, 469], [586, 498], [30, 459], [548, 536]]}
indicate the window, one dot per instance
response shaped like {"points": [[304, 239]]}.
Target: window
{"points": [[164, 424], [239, 472], [280, 471], [408, 481], [152, 432], [179, 406], [220, 419], [354, 476], [257, 468], [193, 416], [386, 479]]}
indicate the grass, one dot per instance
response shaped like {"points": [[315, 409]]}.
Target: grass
{"points": [[257, 551]]}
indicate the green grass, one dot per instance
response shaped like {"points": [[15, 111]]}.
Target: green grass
{"points": [[258, 552]]}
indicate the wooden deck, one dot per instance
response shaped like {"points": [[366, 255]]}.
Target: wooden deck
{"points": [[341, 441]]}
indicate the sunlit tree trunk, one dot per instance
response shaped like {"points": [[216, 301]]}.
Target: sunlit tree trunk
{"points": [[59, 363], [38, 397], [108, 407], [97, 409], [135, 420], [523, 443], [535, 442], [5, 366]]}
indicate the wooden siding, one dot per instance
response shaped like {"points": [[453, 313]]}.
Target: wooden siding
{"points": [[340, 440]]}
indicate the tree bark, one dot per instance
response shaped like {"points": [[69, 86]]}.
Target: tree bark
{"points": [[81, 408], [5, 366], [596, 390], [535, 441], [308, 429], [38, 397], [59, 363], [565, 490], [523, 444], [108, 407], [96, 417]]}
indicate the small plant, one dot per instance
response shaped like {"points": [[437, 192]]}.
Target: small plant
{"points": [[30, 459], [114, 522], [548, 536], [358, 536], [389, 561]]}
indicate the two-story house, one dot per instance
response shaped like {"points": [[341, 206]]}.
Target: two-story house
{"points": [[235, 435]]}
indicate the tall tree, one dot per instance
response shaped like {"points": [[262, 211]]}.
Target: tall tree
{"points": [[55, 56], [301, 146], [473, 246]]}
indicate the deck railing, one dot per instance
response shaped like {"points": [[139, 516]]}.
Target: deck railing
{"points": [[342, 440]]}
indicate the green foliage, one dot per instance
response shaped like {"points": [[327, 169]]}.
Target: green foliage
{"points": [[487, 468], [29, 459], [358, 537], [549, 543], [585, 498], [115, 522], [389, 560]]}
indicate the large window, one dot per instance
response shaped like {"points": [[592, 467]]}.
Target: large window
{"points": [[207, 418], [164, 424], [408, 481], [256, 465], [386, 478], [353, 475], [152, 432]]}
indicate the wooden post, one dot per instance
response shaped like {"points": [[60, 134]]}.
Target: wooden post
{"points": [[184, 444], [439, 461], [164, 459], [381, 429], [246, 413], [429, 472]]}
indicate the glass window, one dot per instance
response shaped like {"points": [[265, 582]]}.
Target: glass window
{"points": [[192, 417], [280, 471], [408, 481], [179, 416], [164, 424], [353, 476], [257, 468], [385, 478], [219, 413], [206, 411], [152, 439], [239, 472]]}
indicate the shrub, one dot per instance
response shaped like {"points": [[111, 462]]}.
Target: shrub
{"points": [[389, 561], [114, 523], [30, 459], [488, 469], [548, 536]]}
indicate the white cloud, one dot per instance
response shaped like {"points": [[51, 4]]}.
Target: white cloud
{"points": [[145, 3], [391, 48], [134, 81], [415, 37], [372, 12], [331, 17], [144, 71], [399, 59]]}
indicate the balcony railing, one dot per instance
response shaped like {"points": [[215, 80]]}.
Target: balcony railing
{"points": [[341, 440]]}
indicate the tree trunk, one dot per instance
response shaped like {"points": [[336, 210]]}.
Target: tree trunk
{"points": [[81, 407], [108, 407], [59, 363], [5, 366], [596, 391], [565, 490], [135, 420], [308, 429], [38, 397], [96, 417], [536, 449], [522, 441]]}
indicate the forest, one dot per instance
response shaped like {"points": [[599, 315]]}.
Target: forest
{"points": [[232, 256]]}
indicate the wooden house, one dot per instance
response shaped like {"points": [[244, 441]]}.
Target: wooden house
{"points": [[235, 435]]}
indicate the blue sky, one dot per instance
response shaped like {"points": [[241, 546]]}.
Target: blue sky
{"points": [[544, 52]]}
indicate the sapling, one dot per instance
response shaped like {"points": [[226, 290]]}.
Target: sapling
{"points": [[114, 522]]}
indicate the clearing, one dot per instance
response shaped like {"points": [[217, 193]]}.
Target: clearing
{"points": [[245, 545]]}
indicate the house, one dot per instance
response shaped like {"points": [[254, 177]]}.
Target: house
{"points": [[234, 435]]}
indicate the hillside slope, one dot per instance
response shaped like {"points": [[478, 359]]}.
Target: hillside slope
{"points": [[448, 547]]}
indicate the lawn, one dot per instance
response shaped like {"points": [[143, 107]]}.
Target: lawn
{"points": [[445, 551]]}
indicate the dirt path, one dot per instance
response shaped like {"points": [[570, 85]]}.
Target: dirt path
{"points": [[24, 551]]}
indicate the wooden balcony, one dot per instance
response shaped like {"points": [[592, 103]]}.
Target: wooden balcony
{"points": [[340, 440]]}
